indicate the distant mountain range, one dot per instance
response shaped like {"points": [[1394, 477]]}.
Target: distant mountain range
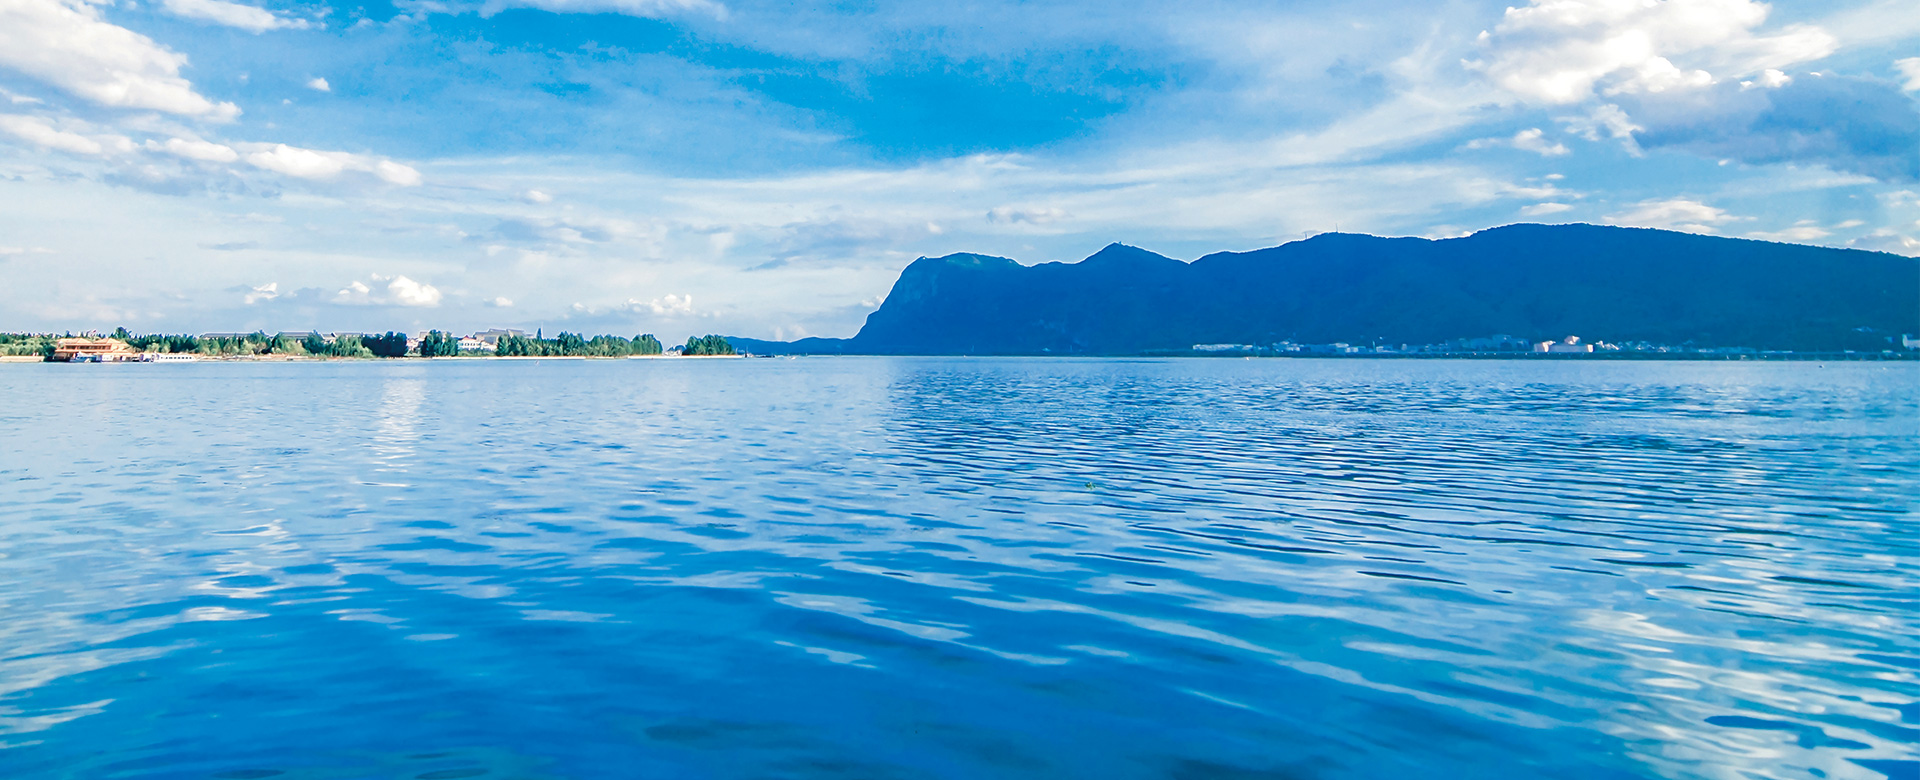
{"points": [[1534, 282]]}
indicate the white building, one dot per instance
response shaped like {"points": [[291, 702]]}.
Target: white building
{"points": [[1571, 344]]}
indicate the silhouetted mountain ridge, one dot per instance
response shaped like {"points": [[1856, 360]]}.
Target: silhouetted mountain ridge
{"points": [[1532, 281]]}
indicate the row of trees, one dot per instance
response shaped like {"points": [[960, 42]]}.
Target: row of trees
{"points": [[21, 344], [435, 343], [576, 345]]}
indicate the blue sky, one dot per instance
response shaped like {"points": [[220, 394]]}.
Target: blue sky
{"points": [[766, 169]]}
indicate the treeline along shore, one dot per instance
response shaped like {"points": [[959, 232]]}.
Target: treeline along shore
{"points": [[125, 346]]}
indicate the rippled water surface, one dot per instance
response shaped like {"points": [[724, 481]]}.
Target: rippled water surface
{"points": [[875, 568]]}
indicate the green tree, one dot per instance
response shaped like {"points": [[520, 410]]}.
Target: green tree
{"points": [[707, 345], [437, 344], [391, 345]]}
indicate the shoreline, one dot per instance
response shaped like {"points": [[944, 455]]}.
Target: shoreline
{"points": [[1705, 357]]}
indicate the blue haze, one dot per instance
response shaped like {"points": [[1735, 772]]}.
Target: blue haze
{"points": [[959, 568]]}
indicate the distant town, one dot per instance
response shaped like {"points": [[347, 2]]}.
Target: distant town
{"points": [[1903, 347], [122, 346]]}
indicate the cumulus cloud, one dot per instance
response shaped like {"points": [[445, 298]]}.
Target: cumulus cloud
{"points": [[321, 165], [651, 9], [1909, 68], [67, 44], [204, 151], [536, 196], [1691, 216], [1032, 216], [388, 291], [670, 306], [1529, 140], [408, 292], [39, 133], [1543, 209], [1565, 51], [244, 17], [498, 303], [318, 84]]}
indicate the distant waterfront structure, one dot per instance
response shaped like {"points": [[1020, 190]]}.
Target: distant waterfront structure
{"points": [[1571, 344], [491, 338], [93, 350]]}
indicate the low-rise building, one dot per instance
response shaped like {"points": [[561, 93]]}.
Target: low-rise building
{"points": [[93, 350], [491, 337], [1571, 344]]}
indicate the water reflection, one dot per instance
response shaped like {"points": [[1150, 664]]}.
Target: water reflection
{"points": [[972, 568]]}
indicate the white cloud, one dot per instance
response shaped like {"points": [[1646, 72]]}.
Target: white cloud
{"points": [[1605, 121], [245, 17], [1563, 51], [1543, 209], [536, 196], [324, 165], [6, 251], [265, 292], [1885, 240], [394, 173], [1529, 140], [1768, 79], [1040, 216], [1691, 216], [1803, 231], [67, 44], [1910, 68], [319, 85], [651, 9], [671, 305], [1534, 140], [204, 151], [498, 303], [36, 131], [391, 291], [300, 163], [407, 292]]}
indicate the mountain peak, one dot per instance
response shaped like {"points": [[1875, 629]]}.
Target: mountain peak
{"points": [[1120, 255]]}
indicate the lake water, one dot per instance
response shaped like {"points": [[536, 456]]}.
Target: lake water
{"points": [[954, 568]]}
